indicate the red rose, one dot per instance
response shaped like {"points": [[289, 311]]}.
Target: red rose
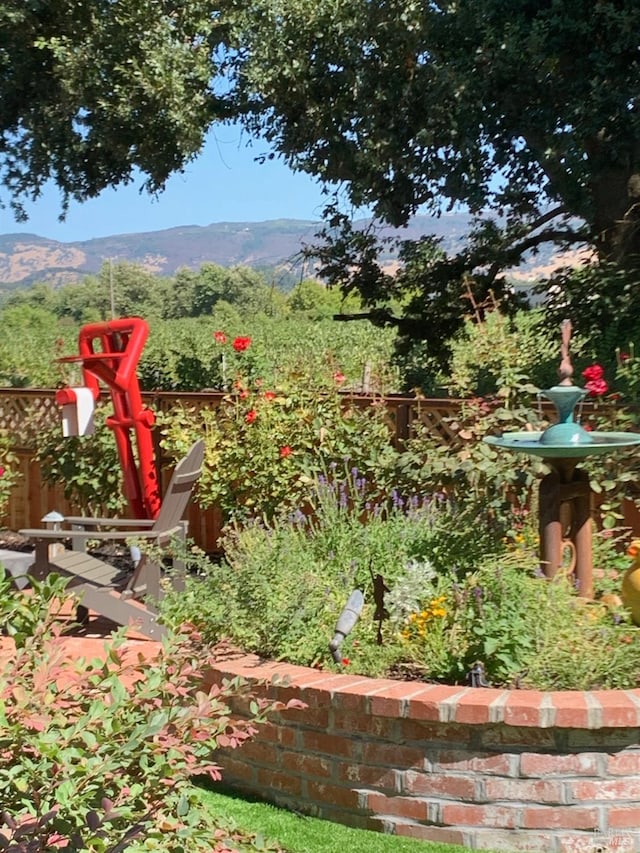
{"points": [[339, 377], [269, 395], [285, 451], [219, 337], [593, 373], [240, 344], [596, 387], [251, 416]]}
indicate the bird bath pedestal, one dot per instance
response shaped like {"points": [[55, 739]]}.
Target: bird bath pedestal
{"points": [[565, 493]]}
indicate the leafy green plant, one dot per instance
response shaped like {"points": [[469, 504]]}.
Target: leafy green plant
{"points": [[87, 467], [264, 445], [9, 473], [98, 754]]}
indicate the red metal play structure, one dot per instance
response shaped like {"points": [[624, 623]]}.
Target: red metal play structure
{"points": [[109, 353]]}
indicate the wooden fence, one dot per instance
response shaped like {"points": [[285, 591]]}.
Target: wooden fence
{"points": [[25, 412]]}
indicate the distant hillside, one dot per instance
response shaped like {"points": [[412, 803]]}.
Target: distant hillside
{"points": [[27, 258]]}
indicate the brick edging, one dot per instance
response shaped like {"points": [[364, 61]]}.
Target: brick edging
{"points": [[575, 709], [555, 772]]}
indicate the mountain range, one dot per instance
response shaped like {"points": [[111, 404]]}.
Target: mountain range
{"points": [[274, 244]]}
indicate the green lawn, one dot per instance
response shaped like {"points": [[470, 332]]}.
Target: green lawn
{"points": [[299, 834]]}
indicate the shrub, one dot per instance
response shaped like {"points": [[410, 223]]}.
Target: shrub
{"points": [[88, 467], [451, 597], [264, 445], [9, 473], [98, 754]]}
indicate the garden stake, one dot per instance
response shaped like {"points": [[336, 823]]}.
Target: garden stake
{"points": [[346, 622]]}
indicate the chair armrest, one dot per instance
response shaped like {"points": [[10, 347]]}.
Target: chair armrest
{"points": [[101, 535], [109, 522]]}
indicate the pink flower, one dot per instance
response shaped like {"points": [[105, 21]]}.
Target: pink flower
{"points": [[285, 451], [219, 337], [251, 416], [597, 387], [241, 343], [339, 377], [1, 471]]}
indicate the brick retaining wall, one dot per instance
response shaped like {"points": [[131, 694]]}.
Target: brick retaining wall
{"points": [[485, 768]]}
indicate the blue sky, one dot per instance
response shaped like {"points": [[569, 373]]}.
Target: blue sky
{"points": [[224, 184]]}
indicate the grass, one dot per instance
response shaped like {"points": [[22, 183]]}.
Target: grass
{"points": [[297, 833]]}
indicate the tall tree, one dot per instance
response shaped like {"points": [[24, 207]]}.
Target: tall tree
{"points": [[524, 108], [92, 89]]}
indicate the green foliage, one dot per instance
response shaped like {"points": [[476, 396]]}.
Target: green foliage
{"points": [[9, 473], [87, 466], [264, 444], [503, 357], [128, 87], [22, 613], [282, 586], [98, 754]]}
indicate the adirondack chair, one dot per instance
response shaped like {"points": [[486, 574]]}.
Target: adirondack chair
{"points": [[127, 598]]}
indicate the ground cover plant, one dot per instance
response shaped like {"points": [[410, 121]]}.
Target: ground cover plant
{"points": [[301, 834], [442, 592]]}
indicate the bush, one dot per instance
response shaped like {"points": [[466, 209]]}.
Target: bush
{"points": [[440, 596], [98, 754]]}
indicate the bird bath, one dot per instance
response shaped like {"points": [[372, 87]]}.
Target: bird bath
{"points": [[565, 493]]}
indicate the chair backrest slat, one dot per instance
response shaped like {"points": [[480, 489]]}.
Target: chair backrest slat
{"points": [[180, 488]]}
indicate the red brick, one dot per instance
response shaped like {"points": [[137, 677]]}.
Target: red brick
{"points": [[385, 779], [624, 818], [441, 834], [476, 707], [234, 768], [588, 844], [439, 784], [261, 753], [355, 697], [394, 700], [429, 704], [468, 814], [309, 717], [277, 734], [526, 790], [274, 780], [515, 736], [574, 764], [407, 807], [433, 732], [307, 765], [606, 789], [393, 755], [464, 761], [571, 709], [525, 708], [618, 709], [333, 795], [324, 743], [624, 764], [384, 728], [560, 817]]}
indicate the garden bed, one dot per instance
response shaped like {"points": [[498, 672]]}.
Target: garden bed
{"points": [[484, 768]]}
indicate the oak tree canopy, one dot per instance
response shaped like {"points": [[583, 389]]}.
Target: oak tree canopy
{"points": [[524, 112]]}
